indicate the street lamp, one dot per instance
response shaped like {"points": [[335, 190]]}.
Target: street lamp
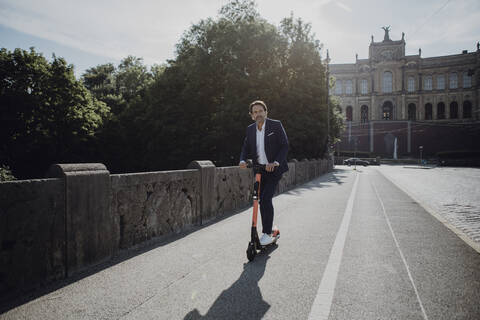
{"points": [[421, 149], [327, 61], [355, 141]]}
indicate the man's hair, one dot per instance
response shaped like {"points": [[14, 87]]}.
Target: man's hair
{"points": [[258, 103]]}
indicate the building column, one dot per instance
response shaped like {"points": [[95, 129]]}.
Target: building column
{"points": [[420, 108], [356, 111], [460, 108], [372, 107], [409, 138]]}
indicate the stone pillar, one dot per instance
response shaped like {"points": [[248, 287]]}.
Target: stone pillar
{"points": [[89, 225], [207, 187], [295, 166], [409, 137], [373, 109]]}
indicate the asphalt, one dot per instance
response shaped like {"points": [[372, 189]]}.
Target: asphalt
{"points": [[397, 260]]}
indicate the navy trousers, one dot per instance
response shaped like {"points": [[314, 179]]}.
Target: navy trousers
{"points": [[267, 189]]}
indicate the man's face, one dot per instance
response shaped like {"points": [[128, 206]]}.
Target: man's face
{"points": [[258, 113]]}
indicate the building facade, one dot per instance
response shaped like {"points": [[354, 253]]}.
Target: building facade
{"points": [[390, 100]]}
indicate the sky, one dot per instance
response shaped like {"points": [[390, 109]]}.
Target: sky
{"points": [[91, 32]]}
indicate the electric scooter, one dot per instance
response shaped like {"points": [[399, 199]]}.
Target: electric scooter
{"points": [[254, 244]]}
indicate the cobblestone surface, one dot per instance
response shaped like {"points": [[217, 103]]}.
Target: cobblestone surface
{"points": [[453, 193]]}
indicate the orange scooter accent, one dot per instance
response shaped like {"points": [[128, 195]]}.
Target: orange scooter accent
{"points": [[256, 194], [254, 245]]}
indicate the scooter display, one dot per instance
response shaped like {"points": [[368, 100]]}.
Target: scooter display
{"points": [[254, 245]]}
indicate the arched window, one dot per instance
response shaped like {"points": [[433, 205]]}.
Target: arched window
{"points": [[467, 109], [411, 84], [453, 81], [427, 83], [338, 87], [349, 113], [467, 80], [387, 82], [364, 86], [428, 111], [454, 110], [387, 111], [348, 87], [412, 112], [441, 110], [364, 114]]}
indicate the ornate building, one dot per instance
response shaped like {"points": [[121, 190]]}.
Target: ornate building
{"points": [[392, 96]]}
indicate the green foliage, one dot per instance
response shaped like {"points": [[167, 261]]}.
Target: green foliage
{"points": [[46, 115], [193, 107], [6, 174], [120, 144], [198, 108]]}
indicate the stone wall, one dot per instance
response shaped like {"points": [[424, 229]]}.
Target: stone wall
{"points": [[232, 189], [54, 228], [32, 234], [152, 204]]}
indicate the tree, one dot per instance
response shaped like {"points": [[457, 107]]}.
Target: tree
{"points": [[197, 109], [46, 114], [123, 88]]}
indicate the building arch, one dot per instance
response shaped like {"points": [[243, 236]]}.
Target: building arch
{"points": [[349, 113], [364, 114], [454, 110], [412, 112], [387, 82], [441, 110], [467, 109], [428, 111], [387, 110]]}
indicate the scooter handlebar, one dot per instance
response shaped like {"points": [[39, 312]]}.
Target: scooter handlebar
{"points": [[255, 166]]}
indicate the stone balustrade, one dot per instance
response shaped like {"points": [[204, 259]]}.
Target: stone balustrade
{"points": [[82, 215]]}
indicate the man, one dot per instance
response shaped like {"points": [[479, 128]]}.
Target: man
{"points": [[265, 143]]}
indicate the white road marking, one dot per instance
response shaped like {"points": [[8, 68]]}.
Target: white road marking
{"points": [[323, 300], [401, 254]]}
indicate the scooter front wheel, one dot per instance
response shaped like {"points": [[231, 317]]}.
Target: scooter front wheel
{"points": [[251, 252]]}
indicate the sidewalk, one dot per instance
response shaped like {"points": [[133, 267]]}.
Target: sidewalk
{"points": [[452, 195]]}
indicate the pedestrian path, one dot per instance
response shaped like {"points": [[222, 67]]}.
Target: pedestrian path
{"points": [[353, 246]]}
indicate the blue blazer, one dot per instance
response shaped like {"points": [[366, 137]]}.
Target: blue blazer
{"points": [[276, 144]]}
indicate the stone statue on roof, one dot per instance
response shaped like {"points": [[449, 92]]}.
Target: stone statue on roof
{"points": [[386, 37]]}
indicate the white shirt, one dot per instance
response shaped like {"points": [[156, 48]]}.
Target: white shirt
{"points": [[262, 156]]}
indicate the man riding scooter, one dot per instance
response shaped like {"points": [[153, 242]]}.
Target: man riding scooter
{"points": [[267, 144]]}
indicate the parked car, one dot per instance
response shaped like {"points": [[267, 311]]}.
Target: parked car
{"points": [[351, 161]]}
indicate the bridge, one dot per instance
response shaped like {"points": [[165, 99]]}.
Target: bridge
{"points": [[388, 242]]}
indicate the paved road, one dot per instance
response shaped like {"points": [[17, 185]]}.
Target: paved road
{"points": [[451, 194], [353, 246]]}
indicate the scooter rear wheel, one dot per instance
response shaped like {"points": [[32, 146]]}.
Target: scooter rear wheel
{"points": [[251, 252]]}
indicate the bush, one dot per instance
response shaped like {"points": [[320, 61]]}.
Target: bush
{"points": [[6, 174]]}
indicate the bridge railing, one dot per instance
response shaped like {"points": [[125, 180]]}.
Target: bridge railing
{"points": [[82, 215]]}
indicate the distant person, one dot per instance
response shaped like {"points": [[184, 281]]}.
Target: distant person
{"points": [[265, 143]]}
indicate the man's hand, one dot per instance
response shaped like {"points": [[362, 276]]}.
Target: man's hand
{"points": [[269, 167], [242, 164]]}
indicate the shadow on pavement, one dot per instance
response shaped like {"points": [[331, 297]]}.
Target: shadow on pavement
{"points": [[243, 300], [337, 176]]}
